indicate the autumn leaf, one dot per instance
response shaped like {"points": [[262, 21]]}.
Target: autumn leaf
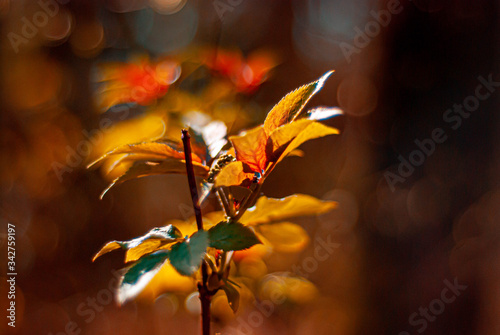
{"points": [[147, 168], [147, 243], [150, 158], [250, 148], [235, 173], [289, 137], [150, 150], [286, 127], [293, 289], [292, 104], [268, 210], [283, 236]]}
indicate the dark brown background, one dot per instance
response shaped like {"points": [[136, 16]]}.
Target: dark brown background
{"points": [[397, 248]]}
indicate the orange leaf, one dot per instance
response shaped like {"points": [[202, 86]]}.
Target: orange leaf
{"points": [[110, 246], [234, 174], [269, 210], [292, 104], [284, 236], [289, 137], [250, 148], [155, 149], [168, 166]]}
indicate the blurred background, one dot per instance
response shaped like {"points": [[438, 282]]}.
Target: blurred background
{"points": [[413, 219]]}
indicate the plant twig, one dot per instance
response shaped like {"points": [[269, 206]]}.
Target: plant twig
{"points": [[248, 202], [205, 295], [191, 178], [228, 207]]}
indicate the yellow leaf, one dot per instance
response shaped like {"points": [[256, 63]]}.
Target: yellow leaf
{"points": [[284, 236], [295, 134], [154, 150], [290, 107], [126, 160], [155, 239], [146, 247], [285, 134], [146, 128], [233, 174], [258, 250], [110, 246], [169, 166], [296, 153], [250, 147], [297, 290], [167, 280], [212, 218], [268, 210]]}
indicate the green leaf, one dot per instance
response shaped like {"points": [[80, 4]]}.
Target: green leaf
{"points": [[136, 248], [186, 256], [229, 236], [268, 210], [143, 169], [289, 108], [233, 295], [139, 275]]}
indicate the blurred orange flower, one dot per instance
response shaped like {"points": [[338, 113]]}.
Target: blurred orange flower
{"points": [[246, 74], [141, 82]]}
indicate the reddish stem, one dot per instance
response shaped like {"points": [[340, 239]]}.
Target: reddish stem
{"points": [[191, 178], [205, 295]]}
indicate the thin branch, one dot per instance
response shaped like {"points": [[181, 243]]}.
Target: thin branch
{"points": [[228, 207], [191, 178], [249, 201], [223, 262], [205, 295]]}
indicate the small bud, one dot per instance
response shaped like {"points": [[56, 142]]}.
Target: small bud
{"points": [[213, 282]]}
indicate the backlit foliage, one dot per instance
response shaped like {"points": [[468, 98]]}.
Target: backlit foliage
{"points": [[249, 225]]}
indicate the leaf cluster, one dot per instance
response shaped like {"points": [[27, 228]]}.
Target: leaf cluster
{"points": [[242, 162]]}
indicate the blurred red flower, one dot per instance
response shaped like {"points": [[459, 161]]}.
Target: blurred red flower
{"points": [[246, 74], [141, 82]]}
